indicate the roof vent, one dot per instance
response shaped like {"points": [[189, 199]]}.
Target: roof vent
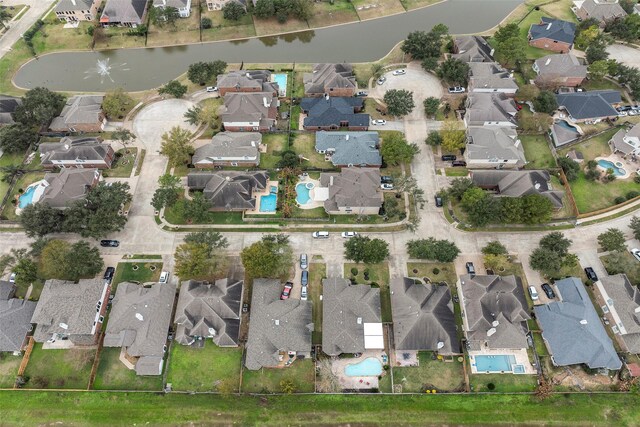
{"points": [[583, 322], [139, 317], [359, 320], [548, 61], [495, 323], [346, 137], [440, 345], [637, 310], [491, 332], [548, 26], [212, 332], [277, 322], [264, 101], [64, 326]]}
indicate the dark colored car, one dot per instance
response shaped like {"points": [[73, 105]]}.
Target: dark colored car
{"points": [[548, 290], [245, 307], [286, 291], [591, 275], [459, 163], [438, 201], [108, 274], [448, 157], [385, 179], [470, 268], [109, 243], [304, 279]]}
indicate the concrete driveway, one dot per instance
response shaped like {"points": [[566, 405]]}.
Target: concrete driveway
{"points": [[625, 54], [156, 119]]}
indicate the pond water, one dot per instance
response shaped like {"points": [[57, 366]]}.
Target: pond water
{"points": [[147, 68]]}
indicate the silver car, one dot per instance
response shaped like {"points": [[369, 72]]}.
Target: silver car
{"points": [[304, 294], [304, 264]]}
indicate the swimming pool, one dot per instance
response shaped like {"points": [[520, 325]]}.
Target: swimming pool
{"points": [[302, 193], [495, 363], [27, 197], [606, 164], [281, 79], [566, 125], [369, 367], [268, 203]]}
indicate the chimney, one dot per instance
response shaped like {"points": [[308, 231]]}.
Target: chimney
{"points": [[346, 138], [548, 26], [264, 101], [548, 61], [73, 2]]}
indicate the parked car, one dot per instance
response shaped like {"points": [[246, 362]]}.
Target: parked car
{"points": [[456, 89], [470, 268], [533, 293], [378, 122], [448, 157], [12, 278], [456, 299], [439, 202], [212, 88], [108, 274], [548, 290], [109, 243], [385, 179], [347, 234], [457, 163], [320, 234], [362, 93], [399, 72], [245, 307], [636, 253], [386, 186], [304, 264], [304, 278], [286, 291], [304, 294], [381, 80], [164, 277], [591, 275]]}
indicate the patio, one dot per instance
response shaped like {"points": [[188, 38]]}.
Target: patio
{"points": [[521, 359], [270, 191], [623, 167], [309, 194], [338, 366]]}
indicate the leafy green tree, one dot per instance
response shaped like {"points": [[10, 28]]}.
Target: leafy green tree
{"points": [[527, 92], [597, 50], [167, 193], [193, 115], [535, 123], [176, 145], [377, 70], [496, 262], [271, 257], [587, 35], [17, 138], [627, 28], [619, 262], [510, 210], [612, 240], [556, 242], [512, 51], [289, 160], [453, 136], [123, 136], [233, 11], [545, 261], [116, 103], [39, 219], [459, 187], [433, 249], [26, 271], [429, 64], [173, 88], [570, 168], [206, 23], [211, 239], [4, 16], [395, 149], [421, 45], [536, 209], [53, 259], [598, 70], [478, 206], [83, 261], [202, 72], [431, 105], [399, 102], [545, 102], [197, 208], [164, 15], [367, 250], [506, 32], [635, 227], [39, 106], [454, 71], [196, 261], [264, 9], [628, 5], [494, 247], [433, 138]]}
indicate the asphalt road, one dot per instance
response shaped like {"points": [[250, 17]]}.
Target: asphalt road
{"points": [[17, 28]]}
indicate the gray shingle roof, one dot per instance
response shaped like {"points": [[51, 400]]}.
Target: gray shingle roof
{"points": [[472, 49], [352, 187], [130, 11], [627, 140], [495, 310], [573, 330], [73, 5], [249, 107], [330, 112], [518, 183], [494, 143], [345, 310], [329, 76], [553, 29], [178, 4], [67, 308], [249, 79], [8, 105], [139, 321], [562, 65], [68, 186], [229, 190], [624, 298], [423, 317], [276, 325], [594, 104], [7, 290], [230, 145], [203, 307], [490, 75], [79, 110], [603, 10], [15, 318], [350, 148], [489, 107], [68, 149]]}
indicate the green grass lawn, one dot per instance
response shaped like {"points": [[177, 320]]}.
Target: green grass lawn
{"points": [[52, 36], [541, 349], [505, 383], [633, 275], [113, 375], [123, 166], [21, 290], [35, 174], [223, 29], [317, 271], [378, 273], [537, 152], [431, 374], [175, 215], [457, 171], [267, 380], [126, 273], [9, 365], [276, 144], [336, 12], [59, 368], [203, 369], [447, 271], [592, 147], [305, 144]]}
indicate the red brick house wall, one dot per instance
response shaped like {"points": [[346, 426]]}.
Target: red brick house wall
{"points": [[553, 45], [224, 90]]}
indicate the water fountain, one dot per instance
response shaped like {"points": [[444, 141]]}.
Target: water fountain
{"points": [[103, 69]]}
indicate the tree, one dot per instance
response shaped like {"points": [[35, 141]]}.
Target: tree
{"points": [[364, 249], [454, 71], [193, 115], [627, 28], [289, 160], [164, 15], [271, 257], [176, 145], [17, 138], [202, 72], [569, 167], [432, 249], [206, 23], [536, 209], [617, 262], [116, 103], [173, 88], [597, 50], [211, 239], [545, 102], [61, 260], [527, 92], [556, 242], [399, 102], [546, 261], [167, 194], [123, 136], [628, 5], [433, 138], [264, 9], [4, 16], [459, 187], [39, 106], [494, 247], [233, 11], [598, 70], [496, 262], [431, 105], [635, 227], [377, 70], [197, 208], [478, 206], [512, 51], [612, 240], [196, 261], [421, 45], [507, 32], [39, 219], [26, 271], [429, 64], [396, 150], [587, 35], [535, 123], [453, 136]]}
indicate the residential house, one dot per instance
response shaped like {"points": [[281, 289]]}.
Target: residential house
{"points": [[229, 191], [472, 49], [15, 319], [71, 311], [82, 113], [229, 149], [280, 330], [8, 106], [139, 323], [352, 191], [60, 190], [626, 141], [636, 9], [490, 109], [80, 152], [124, 13], [209, 310], [247, 81], [490, 77], [333, 113], [590, 107], [493, 148], [331, 80], [182, 6], [601, 10], [219, 4], [346, 149], [494, 312], [250, 112], [518, 184], [423, 318], [620, 301], [77, 10], [573, 331], [351, 318], [552, 34], [562, 69]]}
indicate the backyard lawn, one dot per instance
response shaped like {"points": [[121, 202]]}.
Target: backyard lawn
{"points": [[126, 273], [377, 273], [430, 374], [9, 365], [123, 165], [276, 143], [59, 368], [317, 272], [370, 10], [265, 27], [204, 369], [305, 145], [332, 13], [52, 36], [267, 380], [414, 4], [182, 31], [113, 375], [446, 273], [504, 383], [223, 29], [537, 152]]}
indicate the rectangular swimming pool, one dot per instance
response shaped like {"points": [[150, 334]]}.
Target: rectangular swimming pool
{"points": [[268, 203], [281, 79], [494, 363]]}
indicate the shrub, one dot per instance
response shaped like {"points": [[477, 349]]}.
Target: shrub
{"points": [[206, 23], [491, 386], [436, 271], [354, 271], [619, 199], [636, 179], [632, 194]]}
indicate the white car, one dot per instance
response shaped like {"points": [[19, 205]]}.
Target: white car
{"points": [[379, 122], [636, 253], [386, 186], [304, 294], [12, 278], [164, 277], [399, 72], [347, 234], [212, 88], [456, 89], [381, 80], [533, 293]]}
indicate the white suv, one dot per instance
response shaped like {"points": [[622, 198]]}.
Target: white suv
{"points": [[636, 253]]}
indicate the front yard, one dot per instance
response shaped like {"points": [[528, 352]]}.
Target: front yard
{"points": [[123, 165], [430, 374], [267, 380], [376, 274], [113, 375], [317, 272], [204, 369], [435, 271], [59, 368], [125, 272]]}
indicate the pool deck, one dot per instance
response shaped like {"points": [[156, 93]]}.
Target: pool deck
{"points": [[258, 196], [314, 201], [339, 364], [627, 165], [282, 91], [522, 358]]}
